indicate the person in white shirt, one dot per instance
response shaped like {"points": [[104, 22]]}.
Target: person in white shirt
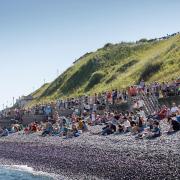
{"points": [[94, 107], [87, 107], [174, 109], [93, 118], [142, 113], [127, 125], [140, 103]]}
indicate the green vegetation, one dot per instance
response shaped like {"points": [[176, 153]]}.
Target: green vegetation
{"points": [[149, 70], [143, 40], [116, 66], [125, 66], [94, 79], [39, 91]]}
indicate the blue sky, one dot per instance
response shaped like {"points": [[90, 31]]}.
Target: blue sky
{"points": [[37, 37]]}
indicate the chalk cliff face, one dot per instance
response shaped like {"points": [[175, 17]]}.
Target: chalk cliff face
{"points": [[117, 66]]}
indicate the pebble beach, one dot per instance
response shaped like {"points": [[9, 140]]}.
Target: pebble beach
{"points": [[90, 156]]}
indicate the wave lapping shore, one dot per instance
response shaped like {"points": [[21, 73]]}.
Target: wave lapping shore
{"points": [[20, 172]]}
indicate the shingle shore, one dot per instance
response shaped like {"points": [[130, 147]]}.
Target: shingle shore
{"points": [[96, 157]]}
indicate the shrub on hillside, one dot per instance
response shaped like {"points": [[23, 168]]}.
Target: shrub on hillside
{"points": [[108, 45], [112, 78], [84, 56], [80, 77], [124, 67], [94, 79], [150, 69], [54, 85], [143, 40]]}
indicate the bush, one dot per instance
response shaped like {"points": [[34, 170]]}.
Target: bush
{"points": [[80, 77], [112, 78], [124, 67], [94, 79], [143, 40], [108, 45], [150, 69]]}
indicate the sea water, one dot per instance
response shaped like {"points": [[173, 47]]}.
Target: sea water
{"points": [[22, 173]]}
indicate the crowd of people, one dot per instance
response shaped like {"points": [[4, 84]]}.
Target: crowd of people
{"points": [[91, 103], [85, 113], [164, 89], [164, 37], [136, 123]]}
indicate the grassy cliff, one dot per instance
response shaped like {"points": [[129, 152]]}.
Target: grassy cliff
{"points": [[116, 66]]}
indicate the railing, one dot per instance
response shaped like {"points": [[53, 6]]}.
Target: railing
{"points": [[151, 103]]}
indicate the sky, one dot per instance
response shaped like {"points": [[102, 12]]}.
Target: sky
{"points": [[39, 39]]}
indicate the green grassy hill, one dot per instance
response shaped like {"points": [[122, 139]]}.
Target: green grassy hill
{"points": [[116, 66], [38, 92]]}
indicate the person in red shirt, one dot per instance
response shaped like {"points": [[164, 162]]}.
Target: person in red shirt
{"points": [[163, 113], [33, 127]]}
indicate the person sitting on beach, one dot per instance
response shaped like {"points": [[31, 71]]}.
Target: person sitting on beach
{"points": [[109, 129], [33, 127], [137, 125], [104, 117], [134, 127], [56, 129], [98, 120], [80, 124], [149, 123], [155, 132], [93, 118], [26, 130], [120, 129], [84, 127], [162, 113], [75, 131], [15, 128], [56, 117], [127, 125], [64, 128], [140, 124], [4, 132], [174, 125], [174, 108], [48, 129], [150, 132]]}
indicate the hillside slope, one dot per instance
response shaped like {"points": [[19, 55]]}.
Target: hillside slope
{"points": [[38, 92], [116, 66]]}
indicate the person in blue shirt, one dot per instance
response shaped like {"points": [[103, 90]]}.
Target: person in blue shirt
{"points": [[155, 131]]}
